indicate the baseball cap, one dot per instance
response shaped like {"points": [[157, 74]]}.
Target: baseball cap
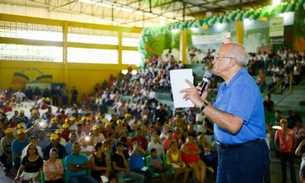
{"points": [[36, 121], [20, 125], [65, 125], [21, 111], [9, 130], [54, 120], [58, 131], [34, 111], [53, 137], [95, 127], [127, 115], [108, 124], [119, 121], [20, 131], [67, 120]]}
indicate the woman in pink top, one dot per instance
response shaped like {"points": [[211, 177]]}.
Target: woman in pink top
{"points": [[190, 155], [53, 168]]}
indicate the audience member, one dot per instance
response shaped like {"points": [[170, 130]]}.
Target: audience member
{"points": [[100, 164], [6, 145], [77, 166], [53, 168], [32, 140], [69, 145], [156, 145], [156, 164], [136, 161], [190, 156], [285, 143], [54, 144], [18, 145], [121, 168], [31, 166], [174, 162]]}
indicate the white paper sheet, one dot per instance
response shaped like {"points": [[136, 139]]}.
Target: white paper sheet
{"points": [[104, 178], [178, 83]]}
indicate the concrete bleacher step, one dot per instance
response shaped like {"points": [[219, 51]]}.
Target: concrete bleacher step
{"points": [[163, 96], [293, 102]]}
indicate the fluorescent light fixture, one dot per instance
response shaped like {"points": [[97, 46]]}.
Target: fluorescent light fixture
{"points": [[247, 21], [276, 2], [195, 29], [126, 9], [175, 31], [104, 5], [161, 21], [88, 1], [139, 12]]}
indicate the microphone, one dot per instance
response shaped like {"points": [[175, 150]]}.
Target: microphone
{"points": [[205, 80]]}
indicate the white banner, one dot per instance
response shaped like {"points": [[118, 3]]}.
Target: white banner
{"points": [[209, 39], [276, 28]]}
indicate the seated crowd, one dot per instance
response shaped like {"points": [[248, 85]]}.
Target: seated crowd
{"points": [[285, 66], [77, 144], [142, 138]]}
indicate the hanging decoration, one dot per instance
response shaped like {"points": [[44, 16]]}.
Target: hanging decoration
{"points": [[228, 17]]}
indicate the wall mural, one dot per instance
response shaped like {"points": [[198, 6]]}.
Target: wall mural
{"points": [[31, 75]]}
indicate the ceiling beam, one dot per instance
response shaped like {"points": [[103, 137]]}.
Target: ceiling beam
{"points": [[63, 5], [245, 6]]}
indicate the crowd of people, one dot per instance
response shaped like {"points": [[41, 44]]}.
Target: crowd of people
{"points": [[43, 140], [286, 65], [78, 139]]}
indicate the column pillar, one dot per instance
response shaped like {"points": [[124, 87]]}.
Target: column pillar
{"points": [[183, 46], [65, 53], [239, 32], [120, 47]]}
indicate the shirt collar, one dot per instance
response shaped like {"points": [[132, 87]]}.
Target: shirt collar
{"points": [[240, 72]]}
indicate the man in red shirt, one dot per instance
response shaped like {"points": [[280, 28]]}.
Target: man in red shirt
{"points": [[140, 138]]}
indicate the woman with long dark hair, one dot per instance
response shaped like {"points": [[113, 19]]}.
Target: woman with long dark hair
{"points": [[101, 165], [31, 165]]}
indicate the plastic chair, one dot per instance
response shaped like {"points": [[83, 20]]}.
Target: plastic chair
{"points": [[131, 134], [42, 177]]}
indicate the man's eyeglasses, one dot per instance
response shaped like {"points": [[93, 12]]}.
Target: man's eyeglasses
{"points": [[217, 58]]}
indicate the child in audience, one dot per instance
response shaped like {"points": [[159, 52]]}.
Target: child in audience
{"points": [[157, 165]]}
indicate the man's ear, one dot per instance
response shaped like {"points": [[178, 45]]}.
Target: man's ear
{"points": [[232, 62]]}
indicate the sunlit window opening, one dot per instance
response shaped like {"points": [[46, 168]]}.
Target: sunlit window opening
{"points": [[85, 35], [30, 53], [86, 55], [30, 31], [131, 39], [131, 57]]}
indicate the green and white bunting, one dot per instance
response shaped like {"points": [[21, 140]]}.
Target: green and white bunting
{"points": [[228, 17]]}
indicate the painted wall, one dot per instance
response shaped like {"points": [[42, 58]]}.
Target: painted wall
{"points": [[82, 76]]}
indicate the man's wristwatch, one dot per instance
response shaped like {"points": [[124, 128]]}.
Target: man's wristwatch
{"points": [[205, 103], [77, 166]]}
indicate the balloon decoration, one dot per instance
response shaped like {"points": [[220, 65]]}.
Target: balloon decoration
{"points": [[228, 17]]}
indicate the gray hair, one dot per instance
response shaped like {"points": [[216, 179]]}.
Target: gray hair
{"points": [[239, 53]]}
